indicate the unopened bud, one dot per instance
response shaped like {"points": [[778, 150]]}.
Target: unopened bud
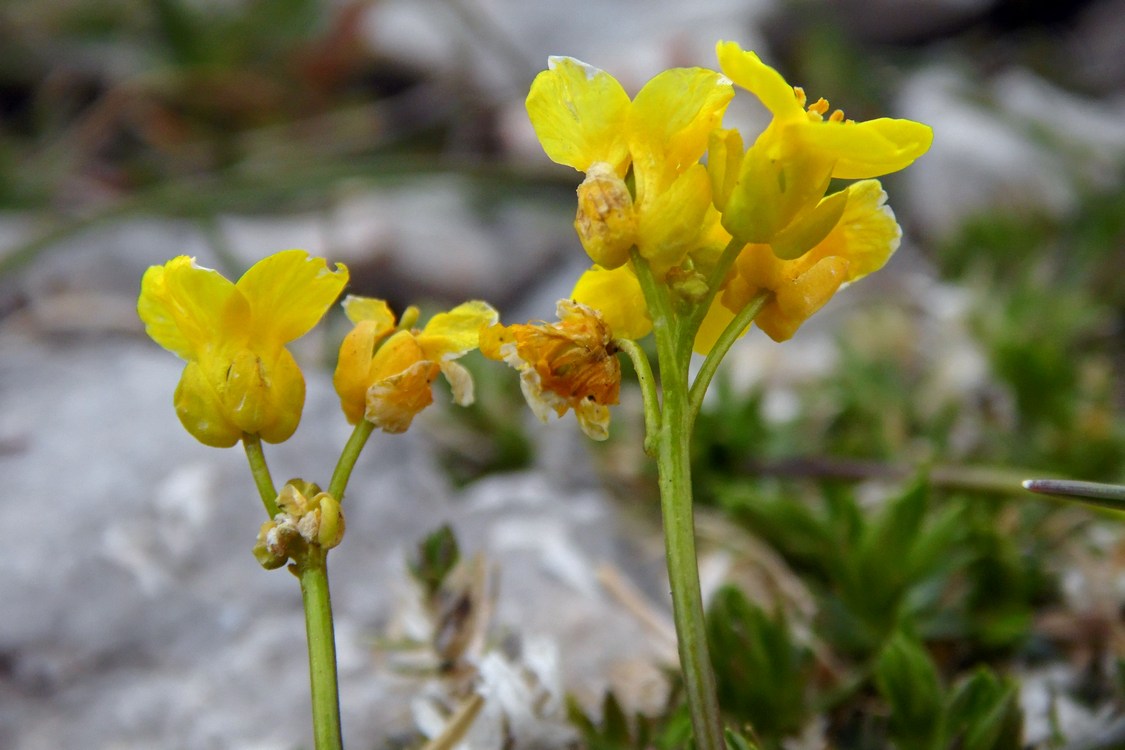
{"points": [[322, 523], [267, 554], [688, 285], [605, 222]]}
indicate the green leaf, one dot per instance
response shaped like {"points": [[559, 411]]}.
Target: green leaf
{"points": [[736, 741], [984, 714], [761, 674], [908, 681]]}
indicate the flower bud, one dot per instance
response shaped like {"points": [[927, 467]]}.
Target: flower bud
{"points": [[267, 554], [605, 222]]}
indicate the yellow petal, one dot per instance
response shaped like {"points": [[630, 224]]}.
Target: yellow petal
{"points": [[289, 292], [714, 323], [869, 149], [359, 308], [200, 411], [244, 391], [669, 226], [353, 367], [748, 71], [449, 335], [578, 113], [183, 305], [287, 395], [618, 297], [724, 161], [670, 121], [811, 290], [780, 178], [867, 233], [810, 228]]}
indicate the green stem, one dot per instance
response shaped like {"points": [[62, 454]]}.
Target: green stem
{"points": [[312, 569], [261, 472], [673, 443], [715, 282], [722, 345], [348, 457], [648, 390]]}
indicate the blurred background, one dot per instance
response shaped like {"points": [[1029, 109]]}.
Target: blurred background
{"points": [[391, 135]]}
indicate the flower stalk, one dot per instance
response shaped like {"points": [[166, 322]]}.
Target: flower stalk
{"points": [[312, 570], [672, 441], [260, 471]]}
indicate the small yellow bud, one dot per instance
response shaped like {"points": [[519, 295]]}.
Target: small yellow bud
{"points": [[331, 530], [606, 223], [687, 284], [322, 523]]}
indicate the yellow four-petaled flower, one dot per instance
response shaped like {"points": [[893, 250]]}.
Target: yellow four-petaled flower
{"points": [[384, 373], [239, 379]]}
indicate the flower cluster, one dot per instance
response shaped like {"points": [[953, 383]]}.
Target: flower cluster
{"points": [[646, 189], [306, 516]]}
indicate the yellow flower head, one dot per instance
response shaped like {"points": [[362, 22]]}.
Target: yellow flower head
{"points": [[571, 364], [239, 377], [584, 119], [775, 186], [383, 375], [860, 242]]}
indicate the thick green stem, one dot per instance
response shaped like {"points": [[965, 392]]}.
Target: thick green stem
{"points": [[261, 472], [674, 467], [312, 569], [673, 443]]}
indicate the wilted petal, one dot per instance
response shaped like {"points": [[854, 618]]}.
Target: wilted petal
{"points": [[393, 402]]}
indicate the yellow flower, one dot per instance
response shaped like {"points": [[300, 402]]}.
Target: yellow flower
{"points": [[571, 364], [584, 119], [772, 193], [383, 375], [239, 377], [861, 242]]}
